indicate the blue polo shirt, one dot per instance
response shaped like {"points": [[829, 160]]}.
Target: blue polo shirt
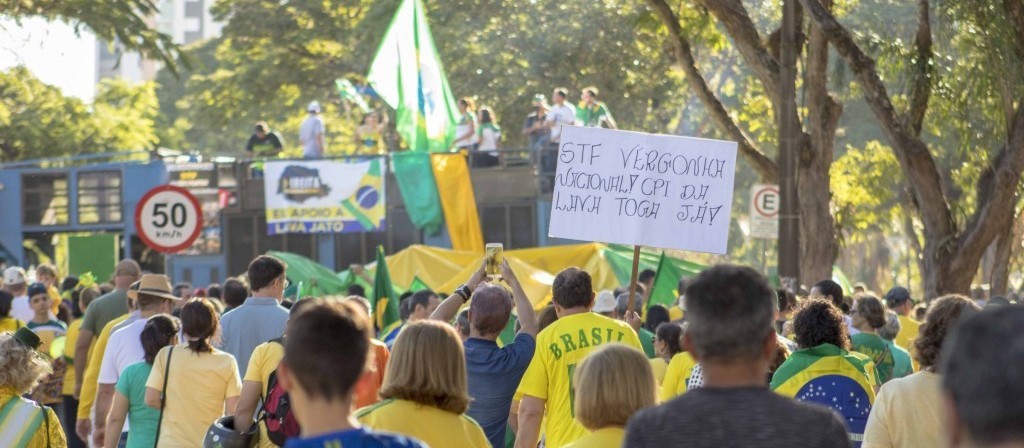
{"points": [[258, 320], [356, 438], [494, 374]]}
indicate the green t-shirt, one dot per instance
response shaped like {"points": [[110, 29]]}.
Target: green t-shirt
{"points": [[902, 365], [594, 115], [104, 309], [647, 341], [874, 347], [142, 419]]}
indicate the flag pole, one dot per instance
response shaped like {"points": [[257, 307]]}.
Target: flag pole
{"points": [[632, 281]]}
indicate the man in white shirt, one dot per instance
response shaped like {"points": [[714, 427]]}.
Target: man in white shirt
{"points": [[562, 113], [124, 347], [311, 133]]}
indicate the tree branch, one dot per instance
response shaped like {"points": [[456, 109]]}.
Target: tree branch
{"points": [[915, 160], [996, 196], [732, 15], [822, 110], [1015, 14], [921, 78], [684, 56]]}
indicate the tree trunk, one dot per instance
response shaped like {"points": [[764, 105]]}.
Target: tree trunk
{"points": [[817, 227], [1005, 245]]}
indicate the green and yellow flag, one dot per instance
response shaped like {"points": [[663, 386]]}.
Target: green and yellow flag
{"points": [[385, 301], [407, 74], [830, 376], [666, 283]]}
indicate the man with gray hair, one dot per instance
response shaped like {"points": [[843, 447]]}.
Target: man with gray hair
{"points": [[645, 335], [900, 356], [981, 367], [730, 313]]}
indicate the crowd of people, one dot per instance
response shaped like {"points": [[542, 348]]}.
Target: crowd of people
{"points": [[476, 131], [140, 362]]}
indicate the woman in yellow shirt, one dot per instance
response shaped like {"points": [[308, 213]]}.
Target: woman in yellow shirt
{"points": [[202, 383], [23, 423], [8, 323], [667, 343], [611, 385], [425, 394]]}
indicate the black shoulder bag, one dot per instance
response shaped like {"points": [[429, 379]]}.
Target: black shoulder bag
{"points": [[163, 397]]}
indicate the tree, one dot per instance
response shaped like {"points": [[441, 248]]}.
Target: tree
{"points": [[38, 121], [952, 250], [818, 247], [124, 21], [272, 60]]}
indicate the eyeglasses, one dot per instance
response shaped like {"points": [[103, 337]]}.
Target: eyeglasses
{"points": [[285, 282]]}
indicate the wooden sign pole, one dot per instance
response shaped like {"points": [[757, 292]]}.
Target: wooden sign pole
{"points": [[632, 281]]}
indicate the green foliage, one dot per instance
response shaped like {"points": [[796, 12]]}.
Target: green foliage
{"points": [[271, 60], [866, 186], [123, 21], [38, 121]]}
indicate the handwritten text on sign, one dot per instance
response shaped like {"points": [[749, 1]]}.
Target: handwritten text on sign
{"points": [[647, 189]]}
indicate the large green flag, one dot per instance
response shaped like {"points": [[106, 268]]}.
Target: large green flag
{"points": [[385, 301], [407, 74], [415, 178]]}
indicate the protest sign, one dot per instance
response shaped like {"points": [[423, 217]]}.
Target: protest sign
{"points": [[324, 196], [643, 189]]}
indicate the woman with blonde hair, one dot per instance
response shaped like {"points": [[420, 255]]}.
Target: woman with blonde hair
{"points": [[25, 423], [425, 393], [612, 383]]}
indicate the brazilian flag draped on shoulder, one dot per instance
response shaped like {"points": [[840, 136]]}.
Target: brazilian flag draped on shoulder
{"points": [[385, 302], [830, 376]]}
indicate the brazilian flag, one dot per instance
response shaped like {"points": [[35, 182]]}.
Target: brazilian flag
{"points": [[830, 376], [385, 301]]}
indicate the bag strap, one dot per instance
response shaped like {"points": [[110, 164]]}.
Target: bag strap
{"points": [[261, 415], [163, 397]]}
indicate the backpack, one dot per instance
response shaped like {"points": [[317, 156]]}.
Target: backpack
{"points": [[276, 413]]}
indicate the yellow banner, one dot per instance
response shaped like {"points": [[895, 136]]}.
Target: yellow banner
{"points": [[451, 172]]}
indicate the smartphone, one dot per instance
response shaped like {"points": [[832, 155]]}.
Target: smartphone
{"points": [[494, 258]]}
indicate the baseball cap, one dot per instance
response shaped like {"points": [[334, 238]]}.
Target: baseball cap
{"points": [[314, 106], [14, 275], [897, 295], [36, 289], [605, 302]]}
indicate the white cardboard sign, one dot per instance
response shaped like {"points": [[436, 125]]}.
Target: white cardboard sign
{"points": [[643, 189]]}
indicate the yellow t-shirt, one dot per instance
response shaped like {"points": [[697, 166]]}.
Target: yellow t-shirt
{"points": [[197, 386], [659, 366], [560, 347], [263, 362], [92, 370], [41, 438], [610, 437], [909, 329], [10, 324], [431, 425], [675, 313], [55, 299], [676, 376], [70, 339]]}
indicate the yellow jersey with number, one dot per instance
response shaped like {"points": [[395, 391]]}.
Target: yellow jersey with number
{"points": [[560, 348]]}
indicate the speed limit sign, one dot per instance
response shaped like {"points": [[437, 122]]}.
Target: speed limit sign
{"points": [[168, 219]]}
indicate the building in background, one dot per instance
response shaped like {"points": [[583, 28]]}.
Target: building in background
{"points": [[186, 21]]}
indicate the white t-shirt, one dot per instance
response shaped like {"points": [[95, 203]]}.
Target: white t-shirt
{"points": [[310, 131], [123, 349], [489, 138], [21, 310], [563, 114]]}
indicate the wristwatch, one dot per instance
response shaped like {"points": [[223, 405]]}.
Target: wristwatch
{"points": [[465, 292]]}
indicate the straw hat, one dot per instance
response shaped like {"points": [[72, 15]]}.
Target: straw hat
{"points": [[155, 285]]}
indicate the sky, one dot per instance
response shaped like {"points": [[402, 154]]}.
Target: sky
{"points": [[52, 52]]}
